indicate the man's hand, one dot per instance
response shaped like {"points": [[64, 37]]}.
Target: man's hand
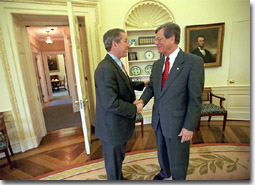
{"points": [[139, 108], [146, 82], [139, 105], [186, 135], [138, 101]]}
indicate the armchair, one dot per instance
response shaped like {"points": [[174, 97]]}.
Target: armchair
{"points": [[54, 82], [210, 109], [4, 141]]}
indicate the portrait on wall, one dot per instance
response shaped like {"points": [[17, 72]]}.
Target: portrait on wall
{"points": [[53, 63], [205, 41]]}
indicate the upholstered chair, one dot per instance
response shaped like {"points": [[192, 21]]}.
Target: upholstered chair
{"points": [[210, 109]]}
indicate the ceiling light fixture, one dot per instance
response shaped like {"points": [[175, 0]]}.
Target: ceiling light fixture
{"points": [[48, 39]]}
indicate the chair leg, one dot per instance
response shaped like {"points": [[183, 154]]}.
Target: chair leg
{"points": [[198, 124], [142, 127], [10, 148], [224, 121], [8, 158], [209, 119]]}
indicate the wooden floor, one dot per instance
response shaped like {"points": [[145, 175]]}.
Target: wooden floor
{"points": [[62, 148]]}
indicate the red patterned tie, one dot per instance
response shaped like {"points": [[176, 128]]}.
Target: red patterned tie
{"points": [[165, 72], [125, 70]]}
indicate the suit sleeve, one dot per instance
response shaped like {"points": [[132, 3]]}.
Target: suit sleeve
{"points": [[195, 88], [108, 94], [138, 85]]}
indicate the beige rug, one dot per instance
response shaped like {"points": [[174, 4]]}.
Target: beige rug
{"points": [[207, 162]]}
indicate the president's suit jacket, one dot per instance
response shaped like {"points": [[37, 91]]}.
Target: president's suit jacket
{"points": [[115, 111], [179, 104], [207, 58]]}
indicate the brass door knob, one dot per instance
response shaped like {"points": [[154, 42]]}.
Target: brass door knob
{"points": [[77, 102], [231, 81]]}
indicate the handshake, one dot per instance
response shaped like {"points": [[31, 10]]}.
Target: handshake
{"points": [[139, 105]]}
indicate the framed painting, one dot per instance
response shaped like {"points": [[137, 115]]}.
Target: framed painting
{"points": [[53, 63], [206, 41]]}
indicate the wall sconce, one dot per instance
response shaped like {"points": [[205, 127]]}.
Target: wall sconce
{"points": [[48, 39]]}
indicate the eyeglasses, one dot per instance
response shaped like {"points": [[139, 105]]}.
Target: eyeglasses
{"points": [[158, 39]]}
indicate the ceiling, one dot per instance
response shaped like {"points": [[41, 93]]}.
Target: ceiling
{"points": [[56, 33], [37, 25]]}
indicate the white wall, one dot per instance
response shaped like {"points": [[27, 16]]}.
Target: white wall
{"points": [[5, 104], [201, 12], [187, 12]]}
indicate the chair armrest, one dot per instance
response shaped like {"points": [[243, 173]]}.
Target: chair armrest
{"points": [[221, 99]]}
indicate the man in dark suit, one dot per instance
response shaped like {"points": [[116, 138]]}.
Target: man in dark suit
{"points": [[115, 111], [201, 51], [177, 85]]}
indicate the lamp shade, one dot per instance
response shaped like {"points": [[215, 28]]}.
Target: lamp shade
{"points": [[48, 39]]}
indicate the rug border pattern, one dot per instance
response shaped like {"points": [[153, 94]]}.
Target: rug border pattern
{"points": [[133, 156]]}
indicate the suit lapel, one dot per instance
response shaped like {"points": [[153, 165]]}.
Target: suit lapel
{"points": [[175, 71], [121, 73]]}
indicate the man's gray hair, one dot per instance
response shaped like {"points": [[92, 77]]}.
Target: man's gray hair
{"points": [[171, 29], [110, 36]]}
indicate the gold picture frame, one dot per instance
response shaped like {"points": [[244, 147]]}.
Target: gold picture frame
{"points": [[53, 63], [213, 35]]}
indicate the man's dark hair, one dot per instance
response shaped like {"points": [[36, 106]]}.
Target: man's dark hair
{"points": [[110, 36], [171, 29], [200, 36]]}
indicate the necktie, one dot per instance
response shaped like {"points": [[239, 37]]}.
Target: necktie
{"points": [[125, 70], [165, 72]]}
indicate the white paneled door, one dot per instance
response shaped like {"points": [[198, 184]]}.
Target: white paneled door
{"points": [[238, 100], [240, 54], [80, 76], [34, 126]]}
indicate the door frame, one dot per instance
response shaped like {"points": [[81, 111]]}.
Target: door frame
{"points": [[30, 134]]}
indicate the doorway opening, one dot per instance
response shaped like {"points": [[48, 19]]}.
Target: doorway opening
{"points": [[28, 110], [55, 77], [58, 76]]}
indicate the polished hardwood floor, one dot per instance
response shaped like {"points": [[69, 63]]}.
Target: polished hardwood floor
{"points": [[65, 147]]}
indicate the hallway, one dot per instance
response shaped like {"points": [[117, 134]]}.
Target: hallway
{"points": [[58, 113]]}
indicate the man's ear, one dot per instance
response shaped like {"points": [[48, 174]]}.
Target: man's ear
{"points": [[114, 44], [172, 39]]}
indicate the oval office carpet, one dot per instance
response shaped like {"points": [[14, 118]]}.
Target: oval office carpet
{"points": [[207, 162], [60, 115]]}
